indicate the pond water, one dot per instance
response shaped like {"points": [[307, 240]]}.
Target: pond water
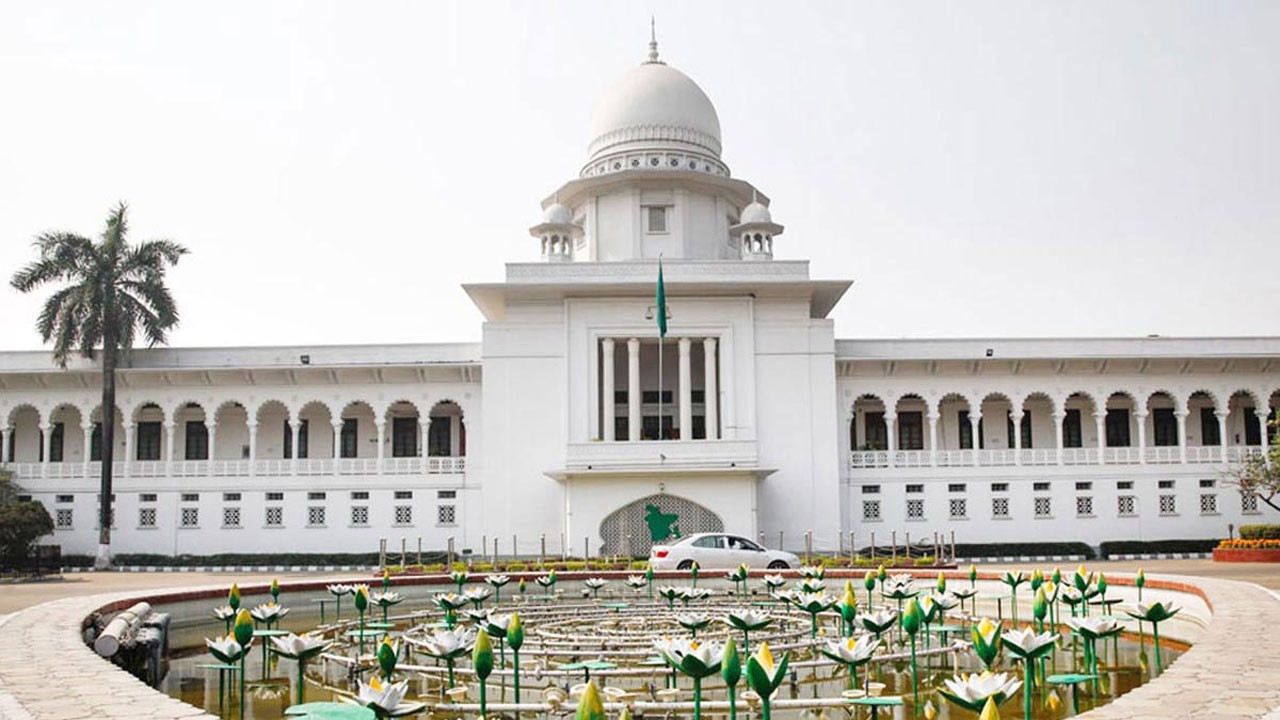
{"points": [[620, 629]]}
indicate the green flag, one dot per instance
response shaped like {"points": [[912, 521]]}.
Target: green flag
{"points": [[662, 303]]}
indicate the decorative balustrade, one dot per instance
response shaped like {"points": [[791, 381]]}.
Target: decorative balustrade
{"points": [[1039, 457], [241, 468]]}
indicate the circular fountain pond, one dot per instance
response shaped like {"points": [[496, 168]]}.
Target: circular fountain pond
{"points": [[641, 646]]}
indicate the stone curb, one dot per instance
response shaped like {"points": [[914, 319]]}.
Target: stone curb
{"points": [[229, 568]]}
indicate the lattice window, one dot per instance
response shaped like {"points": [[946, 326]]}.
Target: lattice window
{"points": [[915, 509], [1209, 504], [1249, 504], [1043, 507], [1126, 506], [360, 515], [635, 527], [404, 515], [315, 516], [1168, 504], [1000, 507], [446, 514], [275, 517], [870, 509], [63, 518], [189, 517], [957, 507], [1084, 506], [231, 517], [146, 517]]}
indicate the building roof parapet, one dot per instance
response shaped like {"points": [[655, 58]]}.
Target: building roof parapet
{"points": [[625, 271], [1055, 348]]}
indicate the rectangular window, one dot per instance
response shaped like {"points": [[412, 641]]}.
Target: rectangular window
{"points": [[1043, 507], [360, 495], [1207, 483], [966, 430], [1165, 427], [148, 441], [911, 431], [315, 516], [1000, 507], [999, 487], [870, 489], [649, 427], [302, 440], [275, 517], [275, 496], [197, 443], [1249, 504], [1040, 487], [1117, 424], [439, 436], [1209, 504], [1026, 430], [915, 509], [870, 510], [1124, 485], [956, 487], [446, 515], [62, 518], [1126, 506], [1168, 504], [360, 515], [1084, 486], [231, 517], [622, 428], [404, 494], [1209, 434], [1252, 428], [404, 515], [655, 218], [650, 397], [1072, 434], [875, 432], [1084, 506], [189, 517], [315, 496], [404, 437], [446, 494], [1166, 484], [55, 442], [619, 397], [64, 498], [147, 497], [348, 437], [957, 508], [230, 497], [190, 497], [915, 489], [95, 443], [146, 517]]}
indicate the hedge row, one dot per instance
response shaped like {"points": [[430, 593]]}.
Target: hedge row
{"points": [[1153, 547], [1260, 532], [1046, 549]]}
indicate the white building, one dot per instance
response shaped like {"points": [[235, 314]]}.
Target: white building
{"points": [[557, 425]]}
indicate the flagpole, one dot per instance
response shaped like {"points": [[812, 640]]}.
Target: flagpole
{"points": [[660, 364]]}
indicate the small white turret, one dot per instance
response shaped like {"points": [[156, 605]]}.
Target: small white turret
{"points": [[755, 231], [557, 233]]}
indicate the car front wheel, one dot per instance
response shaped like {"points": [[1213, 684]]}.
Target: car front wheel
{"points": [[779, 565], [685, 565]]}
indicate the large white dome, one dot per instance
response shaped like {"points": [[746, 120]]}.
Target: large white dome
{"points": [[654, 107]]}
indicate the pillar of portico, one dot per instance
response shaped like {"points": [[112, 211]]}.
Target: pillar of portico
{"points": [[382, 439], [1016, 440], [88, 445], [1222, 434], [1181, 416], [686, 391], [5, 434], [1058, 420], [634, 397], [1263, 418], [170, 440], [607, 388], [295, 426], [130, 442], [975, 432], [337, 443], [933, 439], [1100, 426], [253, 449], [891, 435], [1141, 417], [213, 444], [426, 433], [711, 390], [46, 439]]}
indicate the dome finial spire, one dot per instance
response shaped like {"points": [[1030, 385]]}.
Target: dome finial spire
{"points": [[653, 40]]}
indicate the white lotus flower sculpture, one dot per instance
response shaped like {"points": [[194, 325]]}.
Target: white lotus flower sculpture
{"points": [[971, 691], [269, 613], [852, 653], [300, 648], [595, 584], [386, 699], [226, 649]]}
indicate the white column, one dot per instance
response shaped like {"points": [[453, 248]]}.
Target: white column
{"points": [[633, 389], [1222, 434], [1100, 427], [253, 449], [1015, 442], [425, 430], [337, 443], [382, 439], [1263, 418], [171, 439], [455, 435], [88, 445], [686, 391], [1181, 416], [891, 435], [6, 437], [46, 440], [1058, 420], [933, 439], [711, 389], [1141, 417], [295, 426], [975, 432], [130, 442], [607, 388], [213, 444]]}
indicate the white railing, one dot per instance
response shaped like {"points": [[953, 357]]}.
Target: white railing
{"points": [[1080, 456], [912, 458], [273, 468], [868, 459], [997, 458], [1204, 454], [242, 468], [1238, 453], [443, 465], [1123, 455], [954, 458], [1164, 455], [402, 466], [655, 454], [1039, 456]]}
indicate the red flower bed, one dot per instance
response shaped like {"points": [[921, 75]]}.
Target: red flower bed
{"points": [[1246, 555]]}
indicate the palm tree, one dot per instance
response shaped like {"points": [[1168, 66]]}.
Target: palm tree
{"points": [[110, 290]]}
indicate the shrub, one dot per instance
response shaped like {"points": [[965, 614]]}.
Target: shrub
{"points": [[1046, 549], [1153, 547], [926, 560], [21, 524], [517, 567], [1260, 532], [1242, 544]]}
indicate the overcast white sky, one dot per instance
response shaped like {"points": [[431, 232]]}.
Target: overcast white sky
{"points": [[979, 169]]}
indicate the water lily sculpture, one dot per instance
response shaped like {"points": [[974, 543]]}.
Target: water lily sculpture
{"points": [[301, 649], [814, 572], [497, 582], [773, 582], [879, 621], [748, 621], [482, 665], [497, 626], [764, 676], [1072, 597], [337, 591], [1013, 579], [692, 658], [967, 593], [385, 599], [226, 614], [739, 578], [459, 578], [986, 642], [693, 622], [669, 593], [226, 650], [973, 691], [1154, 613], [594, 584], [1029, 647], [269, 613], [477, 595], [547, 581], [637, 582], [852, 653], [386, 700], [813, 603], [478, 616], [1092, 630], [446, 645], [688, 594], [811, 585], [449, 603]]}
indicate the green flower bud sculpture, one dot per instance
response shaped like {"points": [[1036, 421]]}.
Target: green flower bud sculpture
{"points": [[986, 642], [590, 706], [648, 576], [482, 664], [693, 572], [912, 619], [515, 638], [942, 582], [362, 604], [848, 607], [1141, 582], [387, 656], [242, 629], [764, 676], [731, 673], [233, 597], [275, 591], [869, 584]]}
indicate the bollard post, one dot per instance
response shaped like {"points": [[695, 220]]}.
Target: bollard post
{"points": [[515, 552], [779, 539], [382, 553], [808, 546], [626, 549], [419, 551], [893, 536], [953, 546], [762, 543], [449, 555], [484, 547], [586, 548], [542, 553], [404, 546], [853, 547], [908, 547], [840, 543], [564, 549], [873, 546], [494, 559]]}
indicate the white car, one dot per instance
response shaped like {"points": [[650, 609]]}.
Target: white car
{"points": [[718, 551]]}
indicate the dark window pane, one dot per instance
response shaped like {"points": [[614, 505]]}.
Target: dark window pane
{"points": [[1117, 423], [1165, 427], [439, 437], [55, 442], [404, 437], [1209, 434], [95, 443], [1252, 429], [148, 441], [911, 431], [966, 430], [1072, 434], [347, 439], [876, 431], [197, 440]]}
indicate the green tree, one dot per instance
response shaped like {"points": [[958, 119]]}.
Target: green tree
{"points": [[109, 292], [1259, 475], [21, 524]]}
